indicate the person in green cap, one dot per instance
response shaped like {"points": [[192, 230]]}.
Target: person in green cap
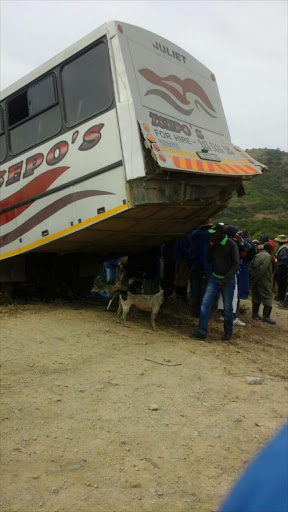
{"points": [[223, 253]]}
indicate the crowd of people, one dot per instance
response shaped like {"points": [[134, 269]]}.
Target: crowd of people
{"points": [[239, 263], [215, 264]]}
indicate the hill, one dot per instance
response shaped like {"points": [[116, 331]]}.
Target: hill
{"points": [[264, 208]]}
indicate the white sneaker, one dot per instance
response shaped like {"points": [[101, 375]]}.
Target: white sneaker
{"points": [[221, 318], [237, 321]]}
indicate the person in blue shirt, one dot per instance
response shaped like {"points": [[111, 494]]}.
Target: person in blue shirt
{"points": [[111, 268], [263, 487], [200, 268], [247, 253], [182, 258]]}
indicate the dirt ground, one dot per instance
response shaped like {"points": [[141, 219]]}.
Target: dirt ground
{"points": [[78, 432]]}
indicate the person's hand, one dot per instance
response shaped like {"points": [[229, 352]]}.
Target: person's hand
{"points": [[211, 242]]}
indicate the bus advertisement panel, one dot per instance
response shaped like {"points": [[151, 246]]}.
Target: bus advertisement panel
{"points": [[179, 109]]}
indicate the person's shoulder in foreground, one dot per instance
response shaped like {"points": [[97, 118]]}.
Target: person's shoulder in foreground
{"points": [[263, 487]]}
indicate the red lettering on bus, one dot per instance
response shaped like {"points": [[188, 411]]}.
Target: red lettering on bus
{"points": [[169, 124], [52, 158], [91, 137], [186, 130], [32, 163], [153, 118], [177, 127], [199, 133], [14, 173], [74, 136], [2, 177]]}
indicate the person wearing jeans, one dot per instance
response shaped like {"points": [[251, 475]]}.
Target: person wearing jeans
{"points": [[213, 289], [201, 270], [235, 305], [223, 253]]}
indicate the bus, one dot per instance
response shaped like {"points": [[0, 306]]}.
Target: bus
{"points": [[118, 143]]}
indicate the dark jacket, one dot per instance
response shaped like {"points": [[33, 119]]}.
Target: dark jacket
{"points": [[282, 256], [261, 269], [224, 258]]}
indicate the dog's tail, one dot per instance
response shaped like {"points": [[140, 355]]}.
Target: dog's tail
{"points": [[111, 300], [115, 295]]}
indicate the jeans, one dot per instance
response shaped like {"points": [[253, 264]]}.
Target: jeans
{"points": [[243, 280], [212, 291], [199, 280], [111, 275]]}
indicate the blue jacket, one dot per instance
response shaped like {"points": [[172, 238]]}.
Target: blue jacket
{"points": [[181, 249], [112, 263], [263, 487], [200, 244]]}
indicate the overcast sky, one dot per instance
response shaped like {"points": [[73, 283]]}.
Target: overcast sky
{"points": [[243, 42]]}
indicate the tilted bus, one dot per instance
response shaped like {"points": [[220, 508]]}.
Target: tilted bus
{"points": [[118, 143]]}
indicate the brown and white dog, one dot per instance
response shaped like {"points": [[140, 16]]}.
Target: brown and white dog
{"points": [[150, 303]]}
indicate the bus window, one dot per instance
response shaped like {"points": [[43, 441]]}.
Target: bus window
{"points": [[87, 85], [42, 95], [3, 148], [34, 115], [18, 108]]}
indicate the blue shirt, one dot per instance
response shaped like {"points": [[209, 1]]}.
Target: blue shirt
{"points": [[263, 487], [181, 249], [112, 263], [200, 244]]}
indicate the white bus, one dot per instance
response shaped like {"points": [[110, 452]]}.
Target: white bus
{"points": [[119, 143]]}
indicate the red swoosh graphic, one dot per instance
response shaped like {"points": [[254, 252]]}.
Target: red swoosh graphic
{"points": [[37, 186], [178, 87], [166, 97], [46, 212]]}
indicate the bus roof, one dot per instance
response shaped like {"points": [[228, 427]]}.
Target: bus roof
{"points": [[108, 28], [57, 59]]}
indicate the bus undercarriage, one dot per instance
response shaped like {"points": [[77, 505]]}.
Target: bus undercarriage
{"points": [[162, 207]]}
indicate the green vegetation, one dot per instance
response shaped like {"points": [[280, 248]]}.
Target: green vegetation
{"points": [[264, 208]]}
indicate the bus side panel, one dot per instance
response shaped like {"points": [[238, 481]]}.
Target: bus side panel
{"points": [[131, 142], [80, 175]]}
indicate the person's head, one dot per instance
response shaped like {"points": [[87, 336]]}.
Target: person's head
{"points": [[231, 230], [263, 238], [217, 232], [239, 240], [207, 224], [268, 248], [281, 239]]}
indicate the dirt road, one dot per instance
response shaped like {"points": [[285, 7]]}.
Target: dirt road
{"points": [[78, 389]]}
